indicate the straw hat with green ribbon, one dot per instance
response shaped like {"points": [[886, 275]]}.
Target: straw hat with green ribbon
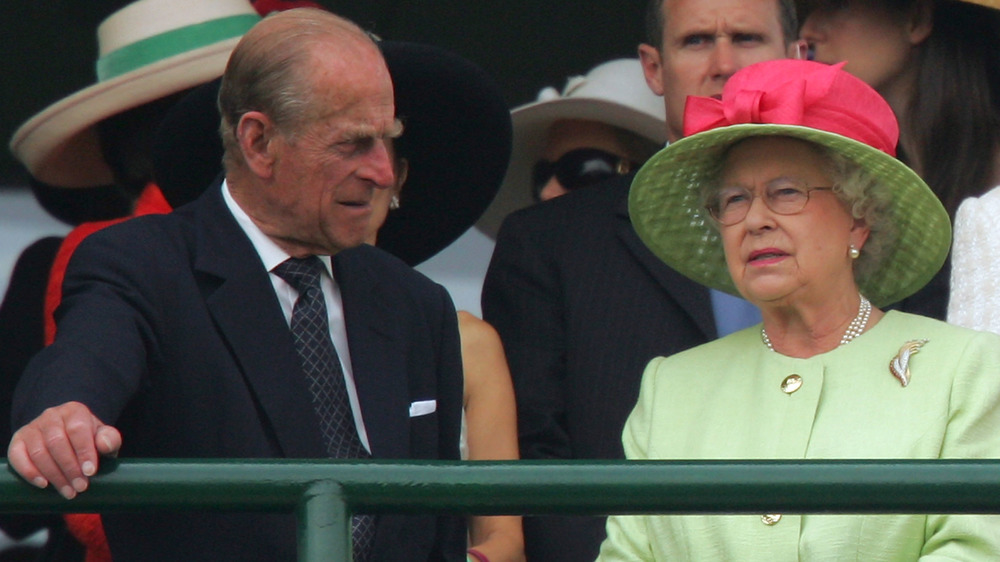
{"points": [[805, 100], [147, 50]]}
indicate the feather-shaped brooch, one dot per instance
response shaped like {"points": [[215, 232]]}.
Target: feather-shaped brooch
{"points": [[900, 364]]}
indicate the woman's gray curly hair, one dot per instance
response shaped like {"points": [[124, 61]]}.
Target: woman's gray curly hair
{"points": [[858, 191]]}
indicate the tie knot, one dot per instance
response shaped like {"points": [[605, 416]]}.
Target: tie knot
{"points": [[301, 273]]}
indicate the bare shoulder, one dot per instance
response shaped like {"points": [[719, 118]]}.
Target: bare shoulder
{"points": [[476, 331]]}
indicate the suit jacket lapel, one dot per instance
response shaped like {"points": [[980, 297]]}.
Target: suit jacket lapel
{"points": [[379, 365], [241, 299], [691, 296]]}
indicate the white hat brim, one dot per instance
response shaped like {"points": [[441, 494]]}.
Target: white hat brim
{"points": [[59, 145], [532, 121]]}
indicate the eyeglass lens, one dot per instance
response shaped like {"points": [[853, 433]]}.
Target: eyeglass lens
{"points": [[578, 168], [730, 205]]}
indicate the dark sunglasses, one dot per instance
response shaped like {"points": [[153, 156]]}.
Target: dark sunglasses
{"points": [[578, 168]]}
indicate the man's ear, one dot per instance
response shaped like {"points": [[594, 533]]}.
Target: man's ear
{"points": [[652, 67], [921, 22], [255, 133]]}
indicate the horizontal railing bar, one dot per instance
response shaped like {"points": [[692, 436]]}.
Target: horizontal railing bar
{"points": [[533, 487]]}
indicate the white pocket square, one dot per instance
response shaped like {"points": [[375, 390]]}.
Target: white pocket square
{"points": [[423, 407]]}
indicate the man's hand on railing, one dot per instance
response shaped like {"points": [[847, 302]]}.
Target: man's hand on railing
{"points": [[62, 447]]}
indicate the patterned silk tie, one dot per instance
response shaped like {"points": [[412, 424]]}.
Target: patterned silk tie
{"points": [[311, 330]]}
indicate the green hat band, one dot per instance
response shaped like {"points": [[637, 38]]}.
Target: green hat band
{"points": [[171, 43]]}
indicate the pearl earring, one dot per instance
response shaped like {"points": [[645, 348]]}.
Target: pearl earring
{"points": [[394, 202], [854, 252]]}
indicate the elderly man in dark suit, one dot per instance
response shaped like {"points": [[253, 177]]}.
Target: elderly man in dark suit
{"points": [[580, 303], [249, 323]]}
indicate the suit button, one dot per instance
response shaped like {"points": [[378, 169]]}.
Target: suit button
{"points": [[770, 519], [791, 384]]}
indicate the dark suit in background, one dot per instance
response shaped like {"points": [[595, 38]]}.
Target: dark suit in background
{"points": [[582, 306], [171, 330]]}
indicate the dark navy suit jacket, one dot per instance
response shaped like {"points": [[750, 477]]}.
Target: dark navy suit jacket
{"points": [[169, 329], [582, 306]]}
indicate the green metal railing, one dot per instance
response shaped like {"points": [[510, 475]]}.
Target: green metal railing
{"points": [[325, 493]]}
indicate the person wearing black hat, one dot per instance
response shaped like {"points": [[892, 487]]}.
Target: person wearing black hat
{"points": [[489, 423], [489, 430], [163, 334]]}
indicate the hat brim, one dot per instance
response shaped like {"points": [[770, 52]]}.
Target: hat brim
{"points": [[994, 4], [665, 205], [456, 136], [60, 147], [531, 123], [804, 6]]}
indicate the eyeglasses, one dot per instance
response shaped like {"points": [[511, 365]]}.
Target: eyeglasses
{"points": [[578, 168], [730, 205]]}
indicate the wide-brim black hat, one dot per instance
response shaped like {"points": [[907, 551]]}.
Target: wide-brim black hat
{"points": [[457, 139]]}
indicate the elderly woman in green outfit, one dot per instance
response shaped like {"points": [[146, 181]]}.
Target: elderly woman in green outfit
{"points": [[786, 192]]}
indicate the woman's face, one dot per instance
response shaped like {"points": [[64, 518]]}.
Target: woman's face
{"points": [[876, 41], [778, 259]]}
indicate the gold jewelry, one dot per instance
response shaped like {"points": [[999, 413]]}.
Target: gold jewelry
{"points": [[854, 329], [900, 364]]}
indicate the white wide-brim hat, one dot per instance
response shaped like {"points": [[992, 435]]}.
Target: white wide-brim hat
{"points": [[614, 93], [147, 50]]}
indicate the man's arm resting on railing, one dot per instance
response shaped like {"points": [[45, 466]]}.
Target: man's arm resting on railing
{"points": [[62, 447]]}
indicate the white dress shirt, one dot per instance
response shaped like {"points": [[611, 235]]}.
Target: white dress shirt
{"points": [[272, 255]]}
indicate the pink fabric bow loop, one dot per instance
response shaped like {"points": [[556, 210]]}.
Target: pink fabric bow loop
{"points": [[803, 93], [784, 105]]}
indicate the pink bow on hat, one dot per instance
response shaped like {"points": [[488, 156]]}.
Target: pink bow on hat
{"points": [[797, 92], [265, 7]]}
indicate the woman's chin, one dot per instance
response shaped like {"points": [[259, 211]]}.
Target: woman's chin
{"points": [[762, 294]]}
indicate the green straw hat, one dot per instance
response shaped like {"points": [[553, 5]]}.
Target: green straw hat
{"points": [[804, 100]]}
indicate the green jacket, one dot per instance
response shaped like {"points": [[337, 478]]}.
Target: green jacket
{"points": [[724, 400]]}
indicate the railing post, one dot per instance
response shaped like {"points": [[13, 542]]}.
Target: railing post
{"points": [[324, 524]]}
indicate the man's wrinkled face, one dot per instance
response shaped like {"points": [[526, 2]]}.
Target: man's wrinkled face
{"points": [[327, 173]]}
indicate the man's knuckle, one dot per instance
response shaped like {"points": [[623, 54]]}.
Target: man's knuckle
{"points": [[36, 450], [54, 438], [76, 425]]}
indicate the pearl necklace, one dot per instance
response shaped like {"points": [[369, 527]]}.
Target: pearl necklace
{"points": [[854, 329]]}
